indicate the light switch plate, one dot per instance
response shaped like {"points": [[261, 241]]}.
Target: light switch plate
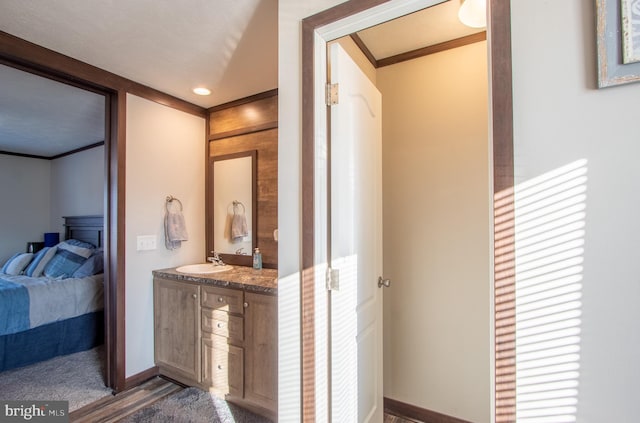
{"points": [[146, 242]]}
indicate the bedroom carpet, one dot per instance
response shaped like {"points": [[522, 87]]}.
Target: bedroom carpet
{"points": [[76, 378]]}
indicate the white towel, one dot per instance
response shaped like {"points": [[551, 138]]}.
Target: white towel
{"points": [[239, 227], [175, 230]]}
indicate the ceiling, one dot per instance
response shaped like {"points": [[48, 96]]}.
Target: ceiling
{"points": [[229, 46], [31, 112]]}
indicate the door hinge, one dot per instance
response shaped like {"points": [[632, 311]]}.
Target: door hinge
{"points": [[333, 279], [332, 94]]}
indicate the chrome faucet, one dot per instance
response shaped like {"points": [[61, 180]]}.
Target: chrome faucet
{"points": [[239, 251], [215, 259]]}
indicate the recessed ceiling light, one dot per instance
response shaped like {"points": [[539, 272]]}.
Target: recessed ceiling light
{"points": [[202, 91]]}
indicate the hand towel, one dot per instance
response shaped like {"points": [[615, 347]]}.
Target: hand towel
{"points": [[175, 230], [239, 227]]}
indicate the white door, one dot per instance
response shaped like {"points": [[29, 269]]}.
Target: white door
{"points": [[356, 244]]}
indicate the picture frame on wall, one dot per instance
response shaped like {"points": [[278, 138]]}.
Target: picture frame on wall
{"points": [[630, 22], [615, 35]]}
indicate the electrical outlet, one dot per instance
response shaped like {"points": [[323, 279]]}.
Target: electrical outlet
{"points": [[146, 242]]}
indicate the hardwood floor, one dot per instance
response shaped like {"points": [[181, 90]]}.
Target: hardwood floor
{"points": [[114, 408], [390, 418]]}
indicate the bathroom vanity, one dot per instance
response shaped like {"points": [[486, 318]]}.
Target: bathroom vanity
{"points": [[219, 332]]}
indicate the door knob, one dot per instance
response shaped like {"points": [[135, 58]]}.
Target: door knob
{"points": [[383, 282]]}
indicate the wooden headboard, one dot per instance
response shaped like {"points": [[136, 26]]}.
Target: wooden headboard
{"points": [[85, 228]]}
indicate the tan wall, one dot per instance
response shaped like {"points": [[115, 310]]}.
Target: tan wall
{"points": [[436, 209], [358, 57], [165, 156]]}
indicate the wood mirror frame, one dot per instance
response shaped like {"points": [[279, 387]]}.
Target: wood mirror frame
{"points": [[227, 257]]}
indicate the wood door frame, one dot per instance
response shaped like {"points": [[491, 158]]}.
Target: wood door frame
{"points": [[501, 130], [112, 374], [74, 72]]}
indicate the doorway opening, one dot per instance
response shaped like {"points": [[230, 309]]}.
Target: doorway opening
{"points": [[103, 222], [317, 30]]}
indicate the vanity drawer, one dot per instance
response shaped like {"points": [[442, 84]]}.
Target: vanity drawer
{"points": [[223, 324], [222, 367], [224, 299]]}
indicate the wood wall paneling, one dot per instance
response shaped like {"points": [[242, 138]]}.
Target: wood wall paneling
{"points": [[252, 125], [254, 116]]}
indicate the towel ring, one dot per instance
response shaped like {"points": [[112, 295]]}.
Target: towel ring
{"points": [[169, 200], [237, 203]]}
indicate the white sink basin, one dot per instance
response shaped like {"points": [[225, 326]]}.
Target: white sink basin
{"points": [[202, 268]]}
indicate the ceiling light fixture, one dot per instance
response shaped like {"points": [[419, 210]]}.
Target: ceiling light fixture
{"points": [[473, 13], [202, 91]]}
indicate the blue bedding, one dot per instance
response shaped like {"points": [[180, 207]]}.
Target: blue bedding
{"points": [[14, 307], [51, 340], [27, 303]]}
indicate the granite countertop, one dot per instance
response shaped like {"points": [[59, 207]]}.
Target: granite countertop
{"points": [[240, 277]]}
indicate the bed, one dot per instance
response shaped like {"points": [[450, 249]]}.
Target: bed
{"points": [[54, 307]]}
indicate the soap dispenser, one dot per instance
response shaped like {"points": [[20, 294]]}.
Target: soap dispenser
{"points": [[257, 259]]}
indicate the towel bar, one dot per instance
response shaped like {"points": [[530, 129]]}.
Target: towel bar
{"points": [[237, 203], [169, 200]]}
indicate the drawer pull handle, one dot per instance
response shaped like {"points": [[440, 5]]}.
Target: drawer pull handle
{"points": [[219, 366], [220, 325], [220, 300], [245, 305], [194, 296]]}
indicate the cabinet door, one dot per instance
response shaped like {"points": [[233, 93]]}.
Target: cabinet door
{"points": [[177, 329], [261, 364], [222, 366]]}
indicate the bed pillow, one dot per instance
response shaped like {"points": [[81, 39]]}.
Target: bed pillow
{"points": [[41, 259], [92, 266], [9, 262], [80, 248], [65, 262], [16, 264]]}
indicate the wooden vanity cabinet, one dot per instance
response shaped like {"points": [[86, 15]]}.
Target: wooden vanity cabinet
{"points": [[177, 329], [220, 339], [260, 348], [222, 367]]}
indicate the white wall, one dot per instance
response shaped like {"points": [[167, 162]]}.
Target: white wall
{"points": [[290, 14], [436, 204], [25, 210], [165, 156], [77, 186], [39, 192], [561, 117]]}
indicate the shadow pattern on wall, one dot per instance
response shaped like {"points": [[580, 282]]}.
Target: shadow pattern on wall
{"points": [[539, 266]]}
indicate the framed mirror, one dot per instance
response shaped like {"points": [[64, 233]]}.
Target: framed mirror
{"points": [[232, 197]]}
